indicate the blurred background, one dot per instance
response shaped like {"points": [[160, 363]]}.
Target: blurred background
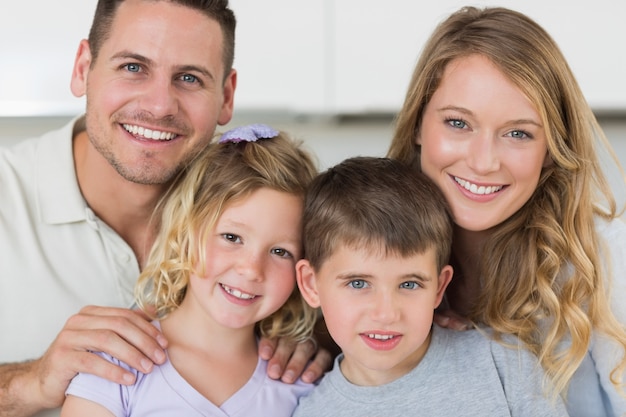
{"points": [[332, 73]]}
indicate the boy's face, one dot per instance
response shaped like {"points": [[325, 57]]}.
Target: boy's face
{"points": [[378, 308]]}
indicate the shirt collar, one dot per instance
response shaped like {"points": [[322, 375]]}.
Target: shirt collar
{"points": [[58, 194]]}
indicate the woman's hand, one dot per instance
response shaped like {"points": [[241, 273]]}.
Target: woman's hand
{"points": [[452, 320]]}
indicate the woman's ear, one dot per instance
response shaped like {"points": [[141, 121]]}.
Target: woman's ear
{"points": [[445, 276], [547, 161], [305, 277]]}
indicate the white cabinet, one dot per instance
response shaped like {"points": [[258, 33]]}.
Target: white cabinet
{"points": [[310, 57], [377, 44]]}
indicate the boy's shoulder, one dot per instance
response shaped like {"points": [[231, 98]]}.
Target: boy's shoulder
{"points": [[480, 348]]}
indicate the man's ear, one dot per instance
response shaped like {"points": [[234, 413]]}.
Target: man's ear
{"points": [[82, 63], [445, 276], [305, 277]]}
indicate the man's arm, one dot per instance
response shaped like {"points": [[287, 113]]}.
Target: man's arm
{"points": [[26, 388]]}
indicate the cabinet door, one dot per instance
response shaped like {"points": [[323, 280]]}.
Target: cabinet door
{"points": [[377, 44], [280, 55]]}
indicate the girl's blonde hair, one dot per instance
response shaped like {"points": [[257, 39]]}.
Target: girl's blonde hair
{"points": [[527, 287], [217, 177]]}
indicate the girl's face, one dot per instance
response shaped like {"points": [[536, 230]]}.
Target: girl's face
{"points": [[482, 142], [250, 260]]}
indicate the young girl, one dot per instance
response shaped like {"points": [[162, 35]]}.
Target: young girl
{"points": [[222, 271], [494, 116]]}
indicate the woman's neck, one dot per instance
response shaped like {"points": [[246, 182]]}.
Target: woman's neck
{"points": [[464, 289]]}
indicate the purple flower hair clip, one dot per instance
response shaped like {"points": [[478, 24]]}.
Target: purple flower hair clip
{"points": [[249, 133]]}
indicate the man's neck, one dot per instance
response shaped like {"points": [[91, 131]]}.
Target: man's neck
{"points": [[125, 206]]}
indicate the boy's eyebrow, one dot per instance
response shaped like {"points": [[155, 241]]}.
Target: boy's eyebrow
{"points": [[361, 275], [417, 276]]}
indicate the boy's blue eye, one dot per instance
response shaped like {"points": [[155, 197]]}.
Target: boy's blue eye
{"points": [[409, 285], [357, 284]]}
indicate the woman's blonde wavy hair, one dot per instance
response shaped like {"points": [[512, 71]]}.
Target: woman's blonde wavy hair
{"points": [[217, 177], [542, 276]]}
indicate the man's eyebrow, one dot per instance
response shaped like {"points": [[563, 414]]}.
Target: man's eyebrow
{"points": [[195, 68], [145, 60]]}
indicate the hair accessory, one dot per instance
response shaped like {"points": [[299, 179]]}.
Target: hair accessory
{"points": [[249, 133]]}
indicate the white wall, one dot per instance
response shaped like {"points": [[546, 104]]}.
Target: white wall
{"points": [[309, 57]]}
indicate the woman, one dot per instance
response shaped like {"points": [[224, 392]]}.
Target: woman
{"points": [[496, 118]]}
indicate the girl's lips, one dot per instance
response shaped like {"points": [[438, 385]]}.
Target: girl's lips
{"points": [[381, 340], [237, 293]]}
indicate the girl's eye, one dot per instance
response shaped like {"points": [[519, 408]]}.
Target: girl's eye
{"points": [[409, 285], [283, 253], [133, 67], [231, 237], [456, 123], [357, 284]]}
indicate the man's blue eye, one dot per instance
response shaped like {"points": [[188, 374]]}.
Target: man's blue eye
{"points": [[189, 78], [133, 67]]}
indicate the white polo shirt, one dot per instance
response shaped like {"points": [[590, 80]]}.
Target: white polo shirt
{"points": [[56, 256]]}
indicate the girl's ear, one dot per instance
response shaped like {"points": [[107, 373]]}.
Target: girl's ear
{"points": [[305, 276], [445, 276]]}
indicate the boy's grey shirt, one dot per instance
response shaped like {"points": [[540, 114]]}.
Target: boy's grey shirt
{"points": [[462, 374]]}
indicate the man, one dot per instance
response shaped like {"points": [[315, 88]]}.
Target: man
{"points": [[76, 204]]}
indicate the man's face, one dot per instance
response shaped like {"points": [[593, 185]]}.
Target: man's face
{"points": [[156, 91]]}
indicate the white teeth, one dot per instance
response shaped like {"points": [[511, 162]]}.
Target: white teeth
{"points": [[237, 293], [149, 133], [475, 189], [380, 336]]}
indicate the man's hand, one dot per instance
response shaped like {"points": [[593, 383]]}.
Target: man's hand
{"points": [[287, 361], [124, 334]]}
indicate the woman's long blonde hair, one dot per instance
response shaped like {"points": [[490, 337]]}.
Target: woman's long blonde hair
{"points": [[220, 175], [542, 275]]}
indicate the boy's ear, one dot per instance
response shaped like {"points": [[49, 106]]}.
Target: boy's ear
{"points": [[445, 276], [305, 277]]}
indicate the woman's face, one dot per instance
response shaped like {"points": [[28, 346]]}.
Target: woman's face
{"points": [[482, 142]]}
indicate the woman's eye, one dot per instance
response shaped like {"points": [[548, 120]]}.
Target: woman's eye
{"points": [[457, 123], [519, 134], [357, 284]]}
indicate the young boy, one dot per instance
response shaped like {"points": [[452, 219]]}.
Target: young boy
{"points": [[377, 238]]}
